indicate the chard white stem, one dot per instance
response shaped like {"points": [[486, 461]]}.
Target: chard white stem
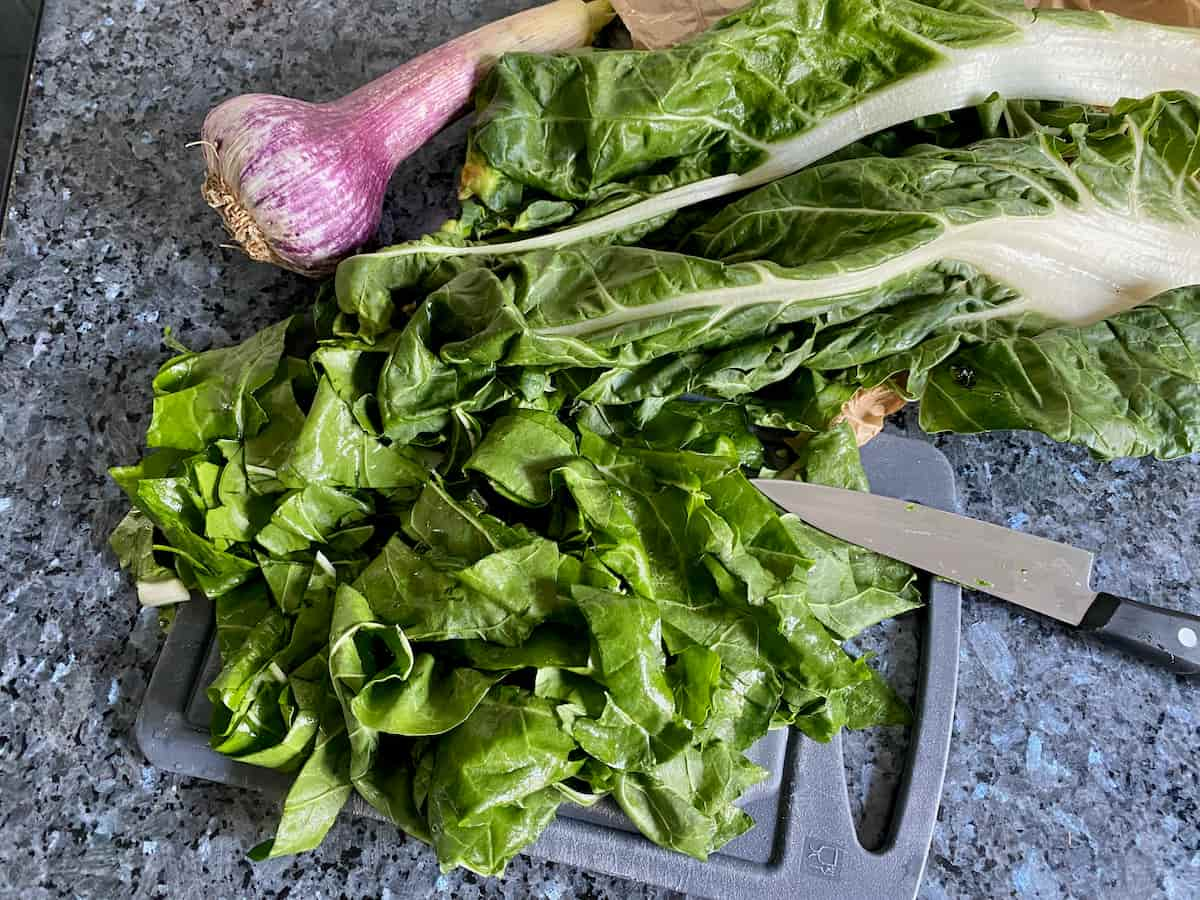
{"points": [[1070, 266], [162, 593]]}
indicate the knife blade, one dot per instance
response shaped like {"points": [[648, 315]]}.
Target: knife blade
{"points": [[1045, 576]]}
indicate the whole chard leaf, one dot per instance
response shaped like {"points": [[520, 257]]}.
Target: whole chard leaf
{"points": [[806, 67], [799, 80], [858, 270], [616, 142]]}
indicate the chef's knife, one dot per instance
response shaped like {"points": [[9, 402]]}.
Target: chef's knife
{"points": [[1048, 577]]}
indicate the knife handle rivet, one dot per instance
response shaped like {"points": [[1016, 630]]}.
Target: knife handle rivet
{"points": [[1187, 637]]}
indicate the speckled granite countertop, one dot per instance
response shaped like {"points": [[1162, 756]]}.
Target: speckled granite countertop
{"points": [[1073, 770]]}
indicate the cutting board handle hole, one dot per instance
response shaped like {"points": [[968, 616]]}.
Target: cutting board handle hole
{"points": [[876, 759]]}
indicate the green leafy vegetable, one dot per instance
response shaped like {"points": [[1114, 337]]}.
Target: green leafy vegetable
{"points": [[423, 701], [318, 793], [1127, 386], [500, 598], [385, 633], [687, 803], [199, 397], [694, 677], [627, 637], [333, 449], [491, 791], [519, 453]]}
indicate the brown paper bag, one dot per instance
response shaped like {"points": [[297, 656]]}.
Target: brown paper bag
{"points": [[1165, 12]]}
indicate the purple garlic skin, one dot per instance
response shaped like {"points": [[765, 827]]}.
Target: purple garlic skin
{"points": [[297, 184]]}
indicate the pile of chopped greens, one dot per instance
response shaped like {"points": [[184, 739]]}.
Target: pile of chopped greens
{"points": [[540, 601], [479, 529]]}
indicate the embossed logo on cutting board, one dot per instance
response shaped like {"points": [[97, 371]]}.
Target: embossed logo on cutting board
{"points": [[822, 858]]}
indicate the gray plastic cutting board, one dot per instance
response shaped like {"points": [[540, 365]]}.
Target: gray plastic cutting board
{"points": [[804, 843]]}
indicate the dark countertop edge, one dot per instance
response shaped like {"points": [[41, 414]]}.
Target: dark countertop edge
{"points": [[25, 71]]}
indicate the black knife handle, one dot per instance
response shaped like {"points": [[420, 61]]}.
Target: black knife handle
{"points": [[1164, 636]]}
